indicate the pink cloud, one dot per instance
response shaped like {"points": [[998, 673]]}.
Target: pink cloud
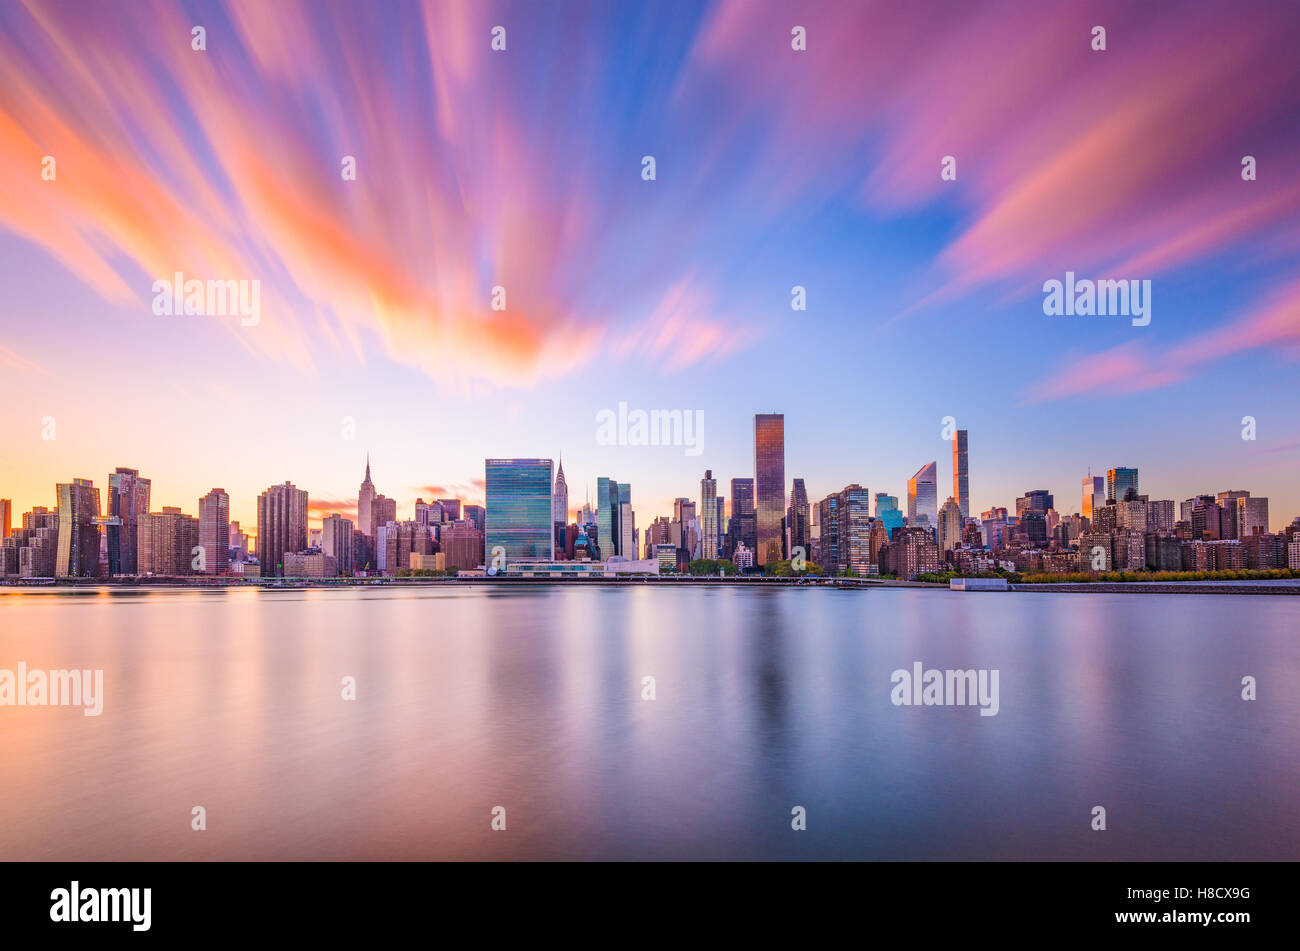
{"points": [[1273, 324]]}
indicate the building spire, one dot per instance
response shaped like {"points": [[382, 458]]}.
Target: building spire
{"points": [[367, 467]]}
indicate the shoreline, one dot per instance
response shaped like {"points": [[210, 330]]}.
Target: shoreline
{"points": [[1098, 587]]}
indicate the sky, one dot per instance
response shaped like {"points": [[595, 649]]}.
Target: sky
{"points": [[523, 168]]}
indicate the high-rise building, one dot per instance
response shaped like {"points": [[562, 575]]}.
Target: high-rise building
{"points": [[78, 546], [128, 499], [923, 494], [769, 484], [797, 520], [853, 532], [462, 543], [214, 531], [912, 552], [1119, 481], [166, 542], [450, 510], [560, 498], [828, 541], [1035, 500], [626, 522], [708, 516], [888, 513], [365, 499], [1252, 516], [1227, 503], [960, 473], [6, 518], [382, 511], [1094, 496], [427, 513], [1160, 515], [476, 515], [238, 542], [607, 533], [282, 525], [950, 522], [519, 509], [336, 541], [395, 542], [743, 527], [627, 529]]}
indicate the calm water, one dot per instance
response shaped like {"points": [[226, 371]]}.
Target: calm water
{"points": [[469, 698]]}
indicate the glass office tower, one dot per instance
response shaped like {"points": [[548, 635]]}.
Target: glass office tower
{"points": [[769, 484], [519, 509]]}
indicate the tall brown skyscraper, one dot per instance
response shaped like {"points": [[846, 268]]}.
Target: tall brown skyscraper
{"points": [[960, 473], [281, 525], [769, 484], [6, 518], [128, 499], [214, 531]]}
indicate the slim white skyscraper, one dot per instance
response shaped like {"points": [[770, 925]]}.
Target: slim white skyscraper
{"points": [[560, 498]]}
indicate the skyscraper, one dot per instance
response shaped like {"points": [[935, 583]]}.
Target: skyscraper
{"points": [[769, 484], [796, 520], [708, 516], [950, 522], [214, 531], [828, 519], [1094, 495], [1119, 481], [1035, 500], [888, 513], [519, 509], [77, 555], [923, 495], [607, 534], [560, 497], [743, 527], [6, 518], [960, 473], [365, 498], [336, 541], [852, 527], [167, 542], [282, 525], [626, 522], [382, 511], [128, 499], [1252, 516]]}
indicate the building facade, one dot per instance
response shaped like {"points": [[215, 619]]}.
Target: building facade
{"points": [[519, 510], [961, 472], [281, 525], [769, 484]]}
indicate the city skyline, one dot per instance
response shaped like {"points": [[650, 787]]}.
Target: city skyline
{"points": [[132, 484], [377, 324]]}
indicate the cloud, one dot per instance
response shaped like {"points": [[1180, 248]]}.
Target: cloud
{"points": [[319, 507], [1271, 325]]}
